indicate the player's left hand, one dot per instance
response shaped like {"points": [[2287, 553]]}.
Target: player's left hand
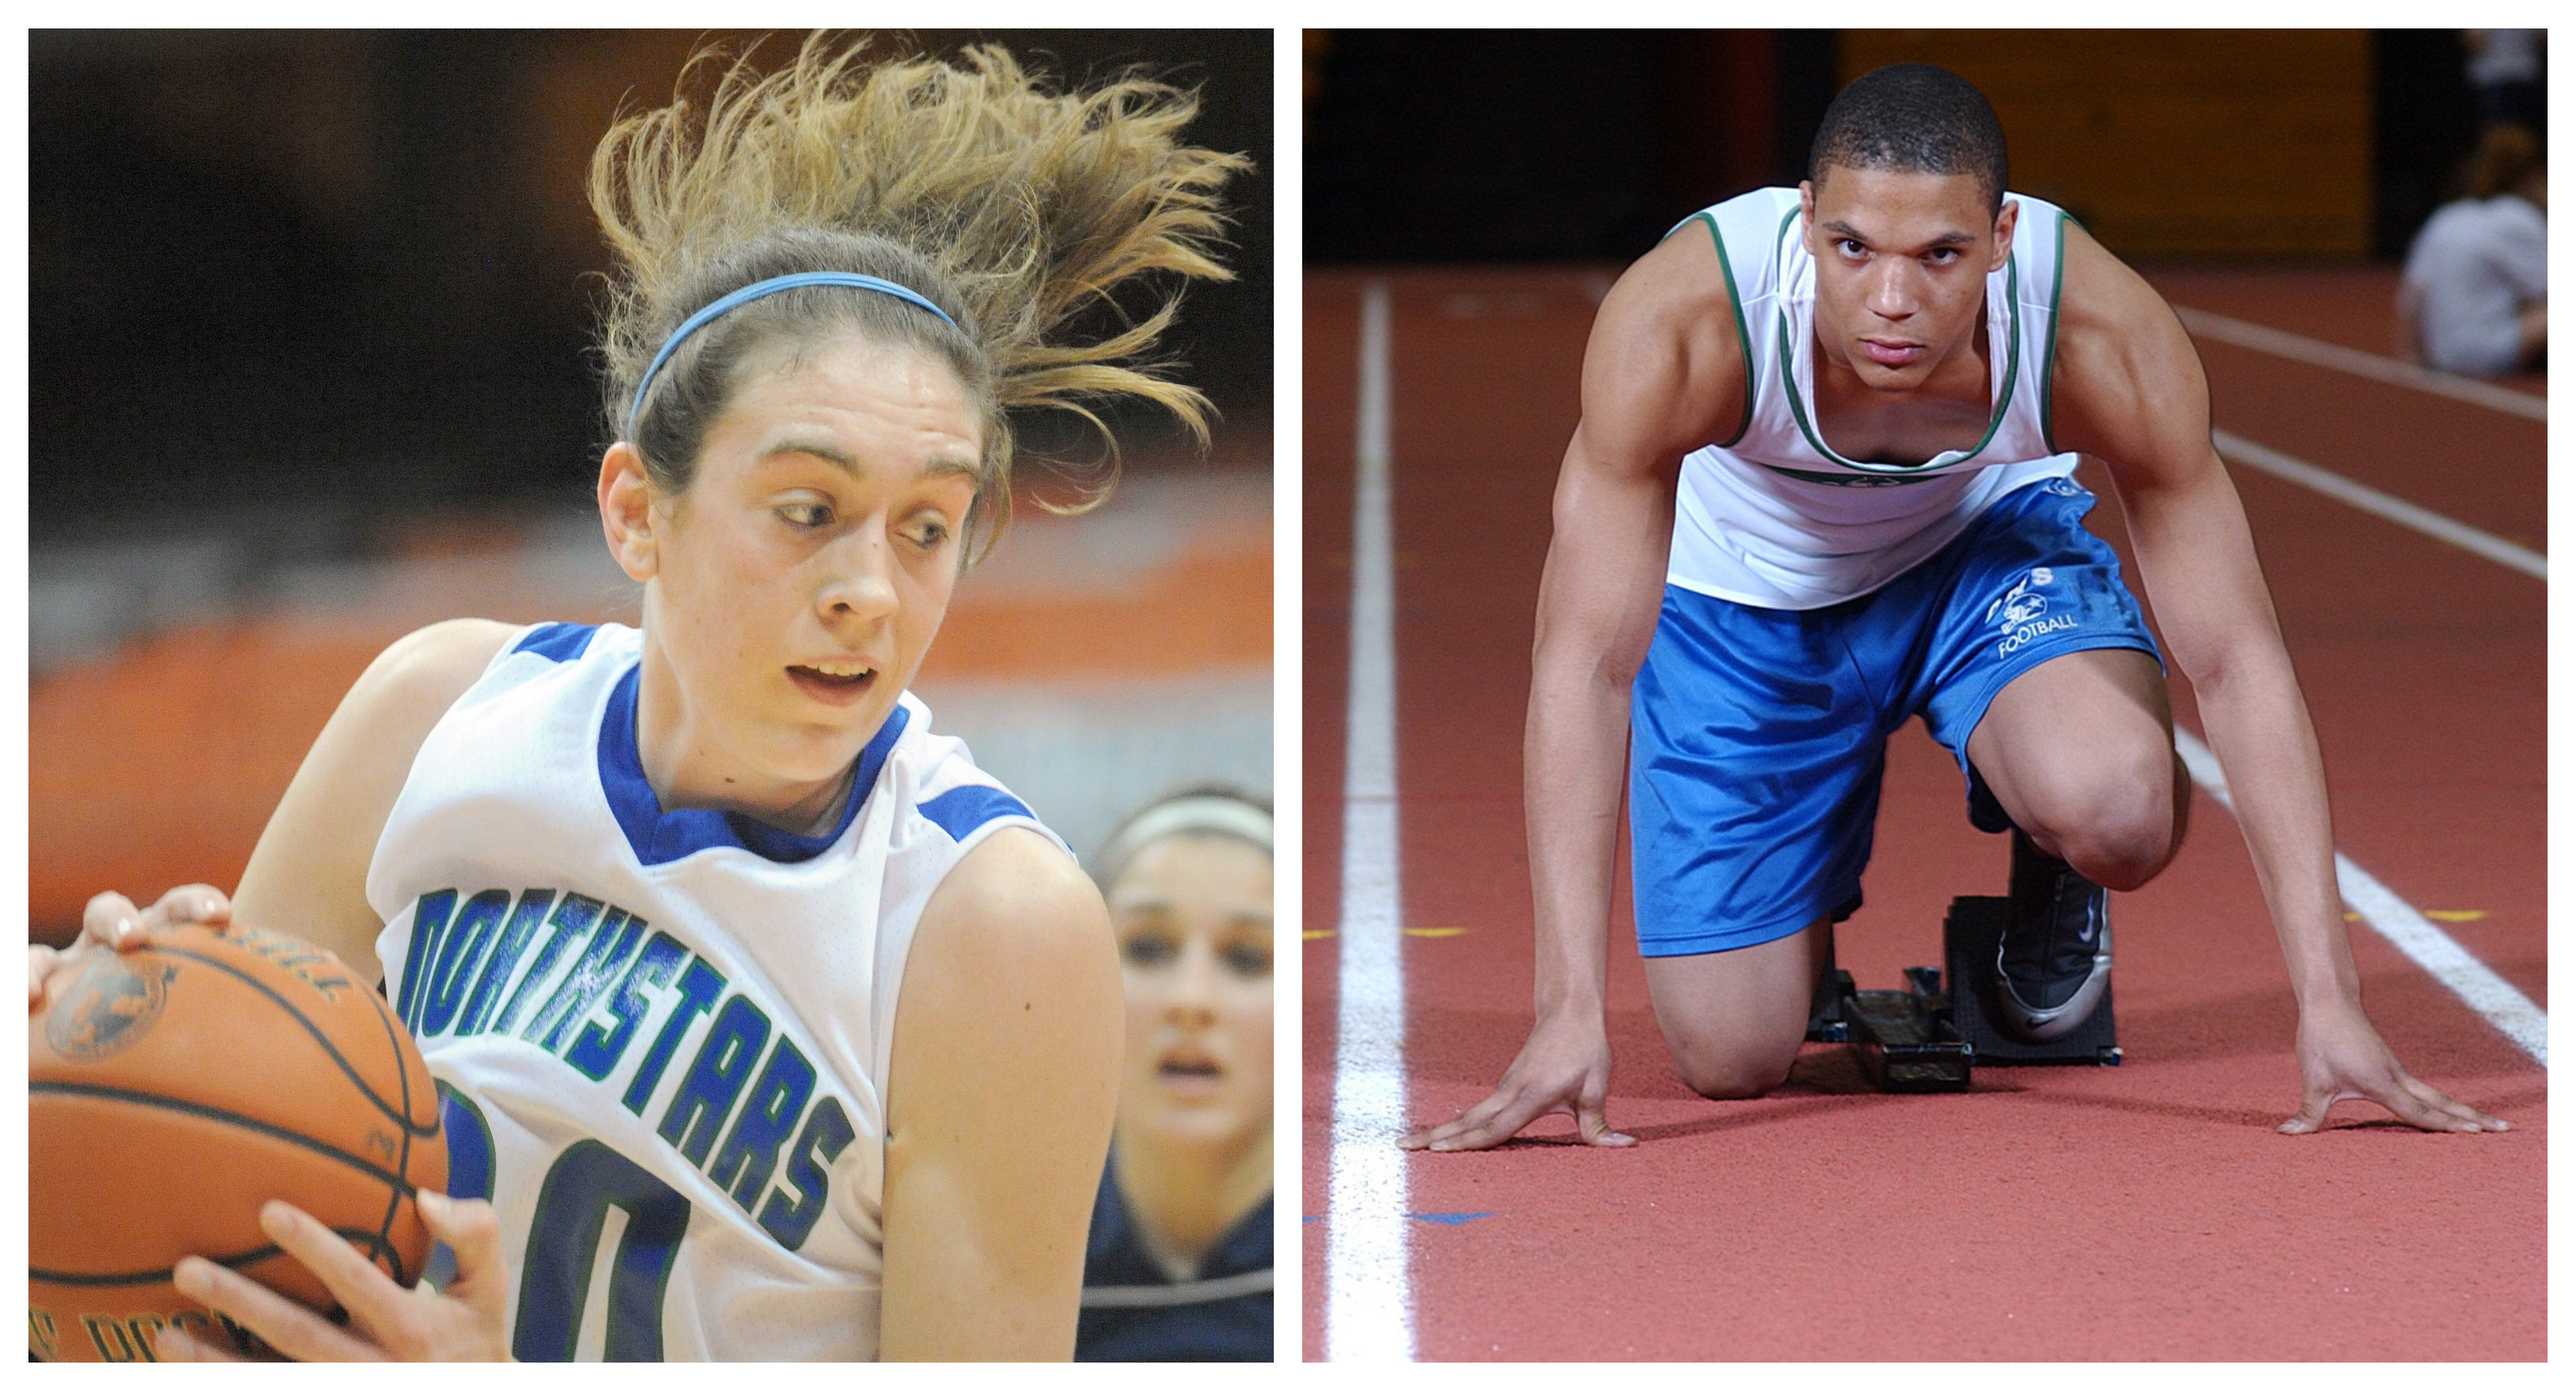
{"points": [[387, 1323], [2341, 1057]]}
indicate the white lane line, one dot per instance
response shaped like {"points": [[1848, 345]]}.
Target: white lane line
{"points": [[2379, 504], [2478, 986], [1368, 1308], [2342, 359]]}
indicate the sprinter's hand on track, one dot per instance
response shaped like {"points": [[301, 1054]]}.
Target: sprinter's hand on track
{"points": [[111, 922], [1564, 1069], [2341, 1057]]}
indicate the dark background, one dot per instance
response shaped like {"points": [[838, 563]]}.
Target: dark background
{"points": [[325, 276], [1537, 145]]}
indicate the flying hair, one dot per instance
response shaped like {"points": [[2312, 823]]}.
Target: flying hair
{"points": [[1016, 207]]}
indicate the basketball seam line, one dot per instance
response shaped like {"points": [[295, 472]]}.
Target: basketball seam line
{"points": [[328, 1048], [399, 1183], [402, 1073], [218, 1113], [246, 1258]]}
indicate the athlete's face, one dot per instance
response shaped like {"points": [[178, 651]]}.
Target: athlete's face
{"points": [[1901, 265], [794, 588], [1192, 913]]}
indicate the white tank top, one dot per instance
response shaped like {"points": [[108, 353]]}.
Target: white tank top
{"points": [[1774, 518], [662, 1037]]}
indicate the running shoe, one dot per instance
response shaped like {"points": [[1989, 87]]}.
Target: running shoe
{"points": [[2054, 960]]}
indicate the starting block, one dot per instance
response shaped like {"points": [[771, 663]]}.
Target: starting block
{"points": [[1968, 938], [1925, 1038]]}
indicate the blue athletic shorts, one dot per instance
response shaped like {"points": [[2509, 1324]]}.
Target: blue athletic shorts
{"points": [[1758, 736]]}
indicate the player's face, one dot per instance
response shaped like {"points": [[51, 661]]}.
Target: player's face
{"points": [[799, 580], [1901, 265], [1192, 914]]}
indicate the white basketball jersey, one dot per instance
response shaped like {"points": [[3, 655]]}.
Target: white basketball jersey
{"points": [[1774, 517], [662, 1037]]}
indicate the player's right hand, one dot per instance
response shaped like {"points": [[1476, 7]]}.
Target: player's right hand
{"points": [[466, 1322], [112, 923], [1564, 1069]]}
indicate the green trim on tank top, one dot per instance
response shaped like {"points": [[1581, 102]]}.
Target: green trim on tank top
{"points": [[2003, 398], [2048, 360], [1743, 333]]}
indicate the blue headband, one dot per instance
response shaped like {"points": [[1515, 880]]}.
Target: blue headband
{"points": [[762, 290]]}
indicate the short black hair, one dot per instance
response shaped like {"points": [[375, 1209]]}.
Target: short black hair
{"points": [[1915, 118]]}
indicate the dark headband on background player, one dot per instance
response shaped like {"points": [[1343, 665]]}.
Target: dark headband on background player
{"points": [[1913, 118]]}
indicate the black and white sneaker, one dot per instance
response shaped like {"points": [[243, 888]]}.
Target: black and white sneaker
{"points": [[2054, 961]]}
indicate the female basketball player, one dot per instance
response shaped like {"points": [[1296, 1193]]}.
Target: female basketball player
{"points": [[1180, 1263], [750, 997]]}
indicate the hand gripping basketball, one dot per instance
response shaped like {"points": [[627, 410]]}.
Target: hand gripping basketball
{"points": [[281, 1074], [112, 923], [463, 1323]]}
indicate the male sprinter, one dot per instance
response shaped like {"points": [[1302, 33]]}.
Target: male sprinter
{"points": [[1822, 484]]}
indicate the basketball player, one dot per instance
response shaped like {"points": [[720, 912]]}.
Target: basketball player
{"points": [[1180, 1260], [1822, 484], [742, 986]]}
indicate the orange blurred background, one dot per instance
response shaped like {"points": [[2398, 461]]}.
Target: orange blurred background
{"points": [[308, 328]]}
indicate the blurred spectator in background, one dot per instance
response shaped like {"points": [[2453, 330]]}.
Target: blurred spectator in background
{"points": [[1179, 1266], [2504, 70], [2475, 296]]}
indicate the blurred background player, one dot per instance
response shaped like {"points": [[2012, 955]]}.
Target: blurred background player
{"points": [[2504, 69], [2475, 299], [836, 286], [1180, 1261]]}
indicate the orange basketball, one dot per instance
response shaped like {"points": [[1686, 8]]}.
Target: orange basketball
{"points": [[175, 1089]]}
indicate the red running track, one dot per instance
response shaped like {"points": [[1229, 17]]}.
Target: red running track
{"points": [[2143, 1212]]}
